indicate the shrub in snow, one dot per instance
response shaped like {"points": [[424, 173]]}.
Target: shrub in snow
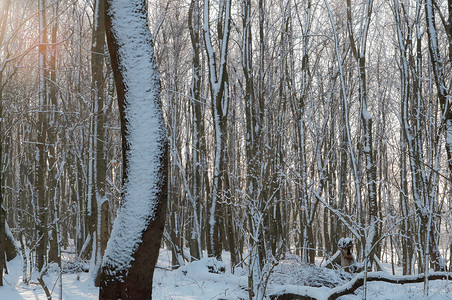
{"points": [[292, 272], [205, 265]]}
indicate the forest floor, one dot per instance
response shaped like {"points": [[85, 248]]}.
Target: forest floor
{"points": [[193, 281]]}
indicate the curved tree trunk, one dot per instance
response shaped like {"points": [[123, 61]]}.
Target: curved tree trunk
{"points": [[132, 250]]}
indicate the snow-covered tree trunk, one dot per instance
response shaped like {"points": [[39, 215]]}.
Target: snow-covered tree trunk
{"points": [[53, 119], [423, 188], [132, 251], [308, 204], [254, 137], [253, 157], [445, 100], [444, 95], [2, 211], [407, 248], [358, 47], [199, 152], [346, 121], [218, 79]]}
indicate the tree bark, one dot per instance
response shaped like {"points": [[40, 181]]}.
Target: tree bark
{"points": [[129, 262], [198, 156], [440, 81], [41, 157], [52, 191], [98, 163], [220, 105]]}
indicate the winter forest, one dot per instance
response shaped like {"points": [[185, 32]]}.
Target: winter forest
{"points": [[252, 142]]}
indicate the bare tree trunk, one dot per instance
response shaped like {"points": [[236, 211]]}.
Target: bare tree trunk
{"points": [[96, 211], [41, 163], [4, 17], [198, 156], [52, 139]]}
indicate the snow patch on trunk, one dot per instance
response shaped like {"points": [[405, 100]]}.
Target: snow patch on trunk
{"points": [[145, 132]]}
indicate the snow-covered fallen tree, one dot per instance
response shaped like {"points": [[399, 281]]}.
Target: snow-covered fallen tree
{"points": [[358, 281]]}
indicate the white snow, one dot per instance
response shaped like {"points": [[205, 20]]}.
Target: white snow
{"points": [[449, 133], [96, 17], [193, 281], [345, 242], [145, 130], [73, 289], [366, 114]]}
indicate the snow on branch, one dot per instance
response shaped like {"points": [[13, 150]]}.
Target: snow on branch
{"points": [[358, 281]]}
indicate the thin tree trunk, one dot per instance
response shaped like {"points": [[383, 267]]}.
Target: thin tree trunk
{"points": [[98, 164], [198, 130], [41, 163], [4, 17], [219, 102], [52, 139]]}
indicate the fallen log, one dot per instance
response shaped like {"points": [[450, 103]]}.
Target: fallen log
{"points": [[358, 281]]}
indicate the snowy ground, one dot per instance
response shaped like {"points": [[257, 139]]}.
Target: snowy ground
{"points": [[193, 281], [73, 289]]}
